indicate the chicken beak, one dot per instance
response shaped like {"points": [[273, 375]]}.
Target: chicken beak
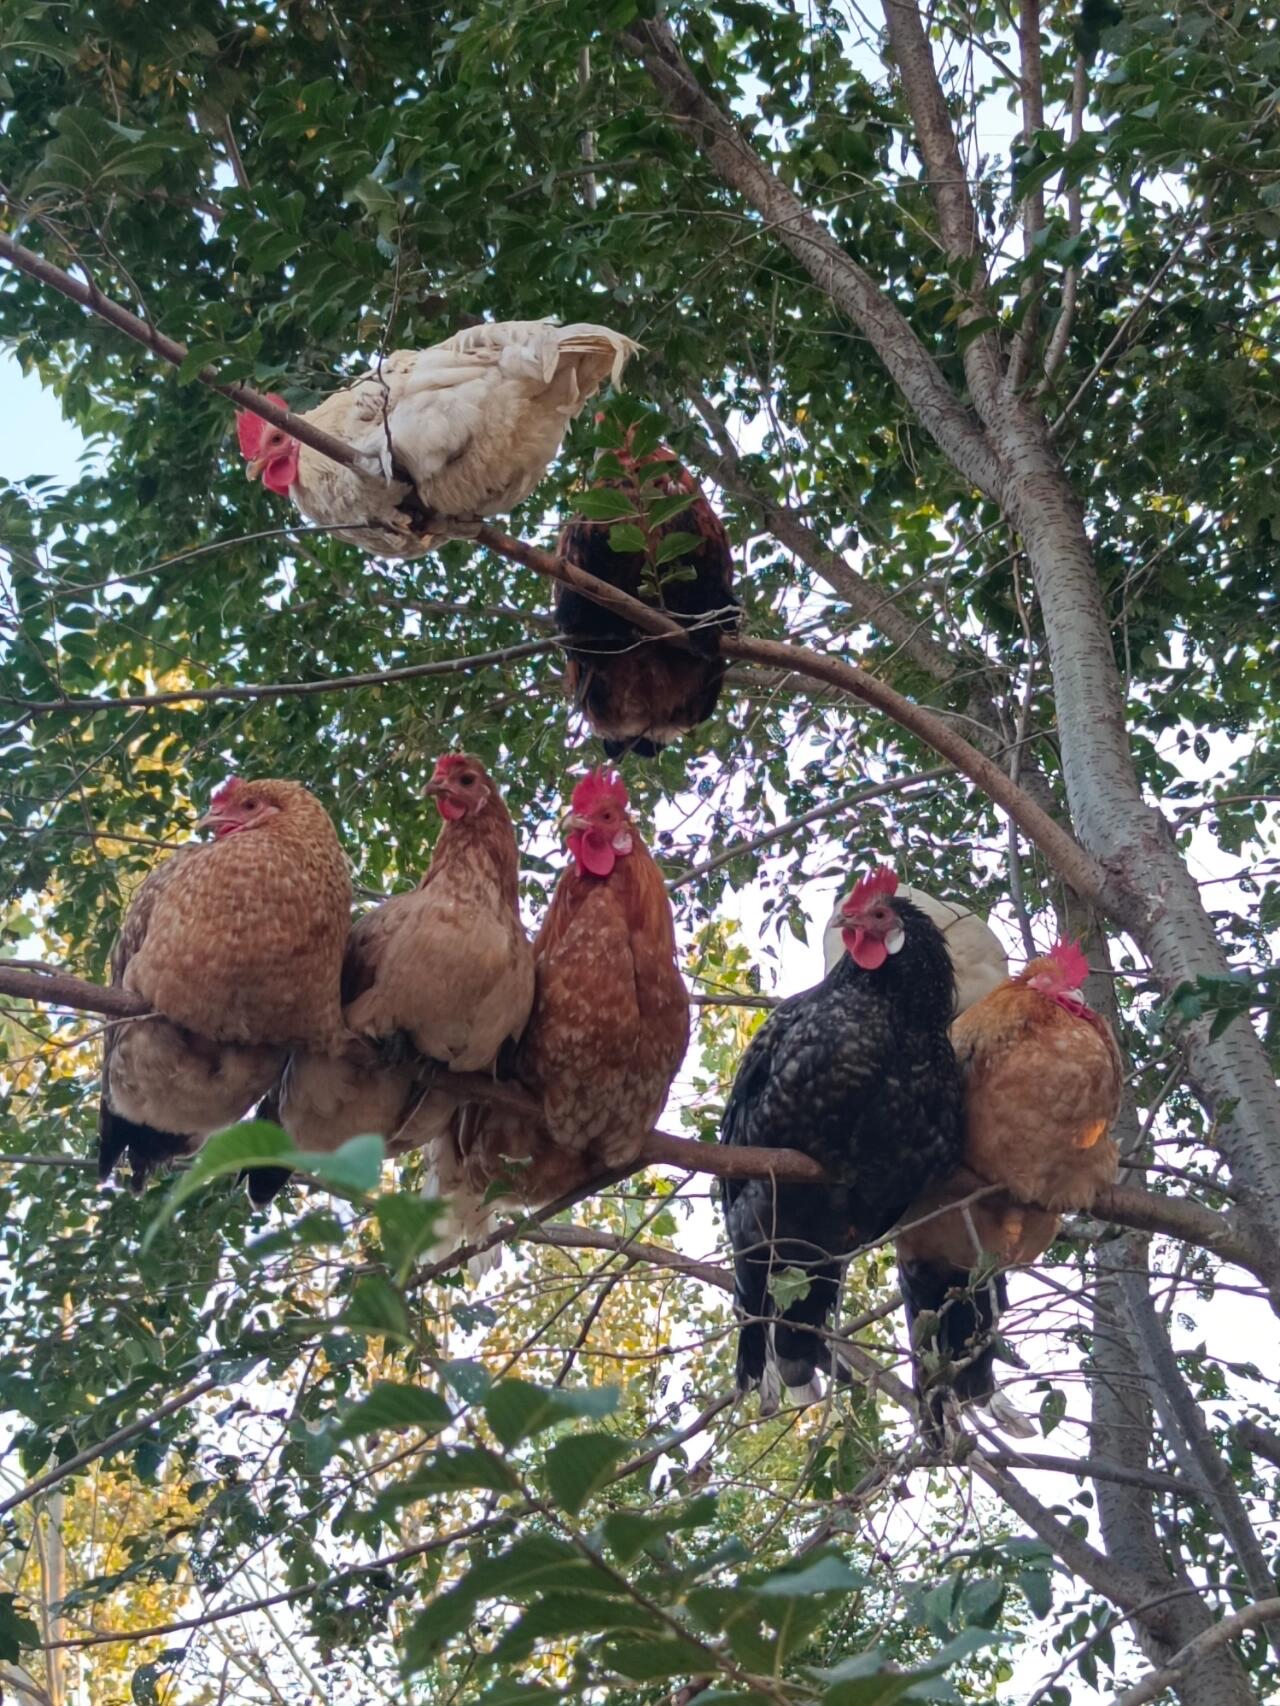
{"points": [[573, 823], [210, 820], [435, 788], [253, 469]]}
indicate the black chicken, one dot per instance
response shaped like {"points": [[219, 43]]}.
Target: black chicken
{"points": [[637, 693], [859, 1073]]}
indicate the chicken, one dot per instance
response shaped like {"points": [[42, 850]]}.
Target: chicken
{"points": [[1043, 1080], [609, 1028], [237, 945], [638, 693], [977, 957], [859, 1074], [463, 429], [440, 978]]}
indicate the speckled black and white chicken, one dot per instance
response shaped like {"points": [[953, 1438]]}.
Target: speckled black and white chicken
{"points": [[859, 1074]]}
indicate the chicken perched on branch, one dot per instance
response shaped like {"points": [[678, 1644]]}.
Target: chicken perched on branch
{"points": [[463, 429], [859, 1074], [437, 979], [977, 957], [237, 946], [666, 546], [609, 1027], [1043, 1079]]}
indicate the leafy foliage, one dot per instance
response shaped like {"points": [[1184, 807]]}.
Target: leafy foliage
{"points": [[541, 1490]]}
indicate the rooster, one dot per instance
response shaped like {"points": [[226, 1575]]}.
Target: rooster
{"points": [[609, 1028], [977, 957], [440, 978], [859, 1074], [237, 946], [1043, 1079], [463, 429], [638, 693]]}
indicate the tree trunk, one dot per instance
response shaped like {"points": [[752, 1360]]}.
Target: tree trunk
{"points": [[1175, 1612]]}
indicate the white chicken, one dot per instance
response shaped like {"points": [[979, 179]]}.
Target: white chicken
{"points": [[979, 961], [463, 429]]}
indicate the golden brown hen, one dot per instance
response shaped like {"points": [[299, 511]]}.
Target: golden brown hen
{"points": [[237, 945], [441, 977], [1043, 1079], [609, 1027]]}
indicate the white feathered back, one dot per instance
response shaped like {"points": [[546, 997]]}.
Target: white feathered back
{"points": [[977, 955]]}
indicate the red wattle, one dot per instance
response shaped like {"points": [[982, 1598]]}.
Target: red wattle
{"points": [[866, 951], [280, 473], [452, 809], [592, 850]]}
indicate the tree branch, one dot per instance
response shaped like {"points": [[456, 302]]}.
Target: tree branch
{"points": [[90, 297], [854, 290], [949, 188], [279, 689], [846, 802], [1154, 1684], [1174, 1217]]}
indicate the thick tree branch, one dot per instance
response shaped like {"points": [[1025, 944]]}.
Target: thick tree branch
{"points": [[786, 218]]}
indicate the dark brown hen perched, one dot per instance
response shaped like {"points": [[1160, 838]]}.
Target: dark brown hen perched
{"points": [[638, 693], [859, 1074]]}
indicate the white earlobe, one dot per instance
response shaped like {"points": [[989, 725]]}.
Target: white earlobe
{"points": [[895, 941], [622, 841]]}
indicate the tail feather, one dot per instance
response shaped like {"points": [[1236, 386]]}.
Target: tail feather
{"points": [[952, 1323], [148, 1149]]}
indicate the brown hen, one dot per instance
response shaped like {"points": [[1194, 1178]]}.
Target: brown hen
{"points": [[609, 1028], [237, 945], [1043, 1079], [441, 978]]}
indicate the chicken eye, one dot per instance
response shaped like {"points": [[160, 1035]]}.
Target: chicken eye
{"points": [[249, 805], [468, 779]]}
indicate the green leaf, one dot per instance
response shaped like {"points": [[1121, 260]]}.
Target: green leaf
{"points": [[449, 1471], [407, 1223], [828, 1574], [628, 1533], [580, 1464], [517, 1410], [17, 1632], [390, 1405], [255, 1143], [673, 545], [663, 509], [377, 1307], [627, 538], [788, 1286], [603, 504], [354, 1169]]}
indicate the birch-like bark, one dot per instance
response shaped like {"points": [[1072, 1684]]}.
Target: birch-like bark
{"points": [[1122, 1423]]}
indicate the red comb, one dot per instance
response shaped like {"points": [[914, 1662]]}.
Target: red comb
{"points": [[250, 428], [453, 762], [596, 787], [880, 879], [1071, 962]]}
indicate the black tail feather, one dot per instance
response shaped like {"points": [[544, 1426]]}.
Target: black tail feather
{"points": [[263, 1183], [951, 1321], [147, 1148]]}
